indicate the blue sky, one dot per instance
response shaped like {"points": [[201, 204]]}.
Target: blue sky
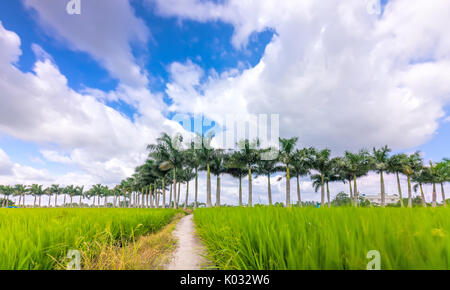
{"points": [[338, 77]]}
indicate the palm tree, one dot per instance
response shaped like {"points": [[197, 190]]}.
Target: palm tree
{"points": [[443, 175], [168, 151], [322, 163], [54, 189], [433, 179], [357, 164], [218, 168], [396, 164], [205, 153], [187, 175], [193, 161], [301, 166], [421, 177], [20, 190], [237, 168], [286, 157], [7, 191], [79, 191], [249, 154], [380, 159], [267, 168], [36, 190], [413, 165]]}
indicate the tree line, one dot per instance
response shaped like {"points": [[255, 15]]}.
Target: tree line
{"points": [[171, 162]]}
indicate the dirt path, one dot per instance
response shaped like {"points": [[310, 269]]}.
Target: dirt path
{"points": [[188, 254]]}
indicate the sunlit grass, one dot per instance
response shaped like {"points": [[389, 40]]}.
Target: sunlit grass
{"points": [[336, 238], [40, 238]]}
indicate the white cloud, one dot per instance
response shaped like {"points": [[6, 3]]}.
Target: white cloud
{"points": [[5, 164], [337, 75], [39, 107], [104, 29]]}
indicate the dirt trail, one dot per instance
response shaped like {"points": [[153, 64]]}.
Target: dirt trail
{"points": [[189, 251]]}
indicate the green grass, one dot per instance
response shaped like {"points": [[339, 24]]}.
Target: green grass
{"points": [[40, 238], [336, 238]]}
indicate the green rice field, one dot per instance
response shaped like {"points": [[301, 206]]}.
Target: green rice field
{"points": [[334, 238], [32, 239]]}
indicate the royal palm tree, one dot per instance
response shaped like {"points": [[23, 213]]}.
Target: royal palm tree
{"points": [[396, 164], [322, 163], [205, 154], [237, 168], [413, 165], [79, 191], [443, 175], [267, 168], [20, 191], [302, 163], [7, 192], [286, 156], [380, 161], [218, 167], [169, 151], [357, 164], [421, 176], [192, 160], [249, 154]]}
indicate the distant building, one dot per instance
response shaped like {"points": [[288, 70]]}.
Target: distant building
{"points": [[376, 199]]}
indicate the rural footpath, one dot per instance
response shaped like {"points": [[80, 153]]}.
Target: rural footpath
{"points": [[189, 254]]}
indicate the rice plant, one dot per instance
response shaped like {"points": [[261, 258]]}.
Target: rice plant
{"points": [[32, 239], [335, 238]]}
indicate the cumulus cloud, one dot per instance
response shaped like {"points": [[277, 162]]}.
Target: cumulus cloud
{"points": [[104, 29], [40, 107], [5, 164], [338, 76]]}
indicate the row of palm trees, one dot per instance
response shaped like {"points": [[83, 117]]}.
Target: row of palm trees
{"points": [[69, 193], [171, 163]]}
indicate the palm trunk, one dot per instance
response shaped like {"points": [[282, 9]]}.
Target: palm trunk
{"points": [[23, 202], [164, 193], [433, 203], [80, 200], [196, 189], [71, 201], [424, 202], [151, 195], [240, 190], [351, 191], [56, 200], [39, 201], [49, 199], [399, 189], [298, 192], [208, 186], [175, 187], [288, 187], [34, 203], [170, 196], [250, 189], [179, 193], [322, 190], [218, 191], [187, 195], [409, 192], [355, 191], [328, 195], [444, 202], [269, 189], [383, 195], [20, 199]]}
